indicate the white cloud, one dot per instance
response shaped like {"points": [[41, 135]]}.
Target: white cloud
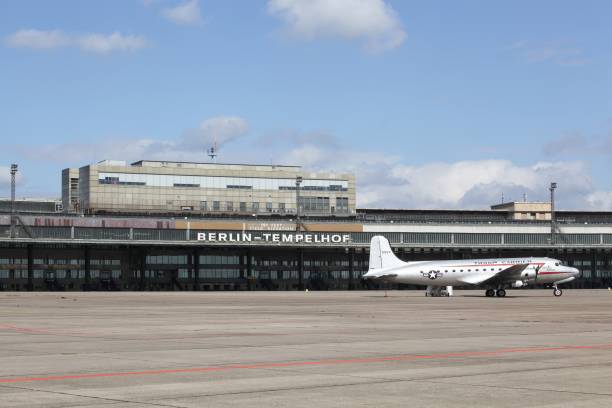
{"points": [[30, 38], [93, 42], [481, 182], [190, 146], [600, 200], [5, 177], [383, 180], [372, 21], [103, 44], [221, 130], [559, 54], [187, 13]]}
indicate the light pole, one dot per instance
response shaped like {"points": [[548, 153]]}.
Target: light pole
{"points": [[13, 174], [298, 181], [552, 188]]}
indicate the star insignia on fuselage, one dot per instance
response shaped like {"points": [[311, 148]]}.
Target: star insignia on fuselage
{"points": [[431, 274]]}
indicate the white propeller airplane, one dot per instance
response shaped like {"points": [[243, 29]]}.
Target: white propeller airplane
{"points": [[493, 274]]}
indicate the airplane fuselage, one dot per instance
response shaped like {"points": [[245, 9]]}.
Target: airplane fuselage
{"points": [[470, 272], [494, 274]]}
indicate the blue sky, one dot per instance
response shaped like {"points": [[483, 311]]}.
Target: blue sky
{"points": [[433, 104]]}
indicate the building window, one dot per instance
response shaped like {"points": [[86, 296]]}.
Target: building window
{"points": [[216, 205], [255, 207], [247, 183], [315, 204], [281, 207], [116, 180], [342, 204], [229, 205], [243, 206], [185, 185], [269, 207], [203, 205]]}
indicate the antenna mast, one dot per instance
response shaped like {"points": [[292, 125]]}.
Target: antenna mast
{"points": [[212, 152]]}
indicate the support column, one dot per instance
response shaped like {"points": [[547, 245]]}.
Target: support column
{"points": [[249, 269], [87, 259], [196, 269], [30, 269], [242, 264], [143, 266], [351, 261], [594, 274], [301, 268], [125, 264]]}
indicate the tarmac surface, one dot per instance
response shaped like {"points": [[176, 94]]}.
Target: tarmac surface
{"points": [[297, 349]]}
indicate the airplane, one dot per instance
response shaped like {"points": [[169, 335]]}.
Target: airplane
{"points": [[493, 274]]}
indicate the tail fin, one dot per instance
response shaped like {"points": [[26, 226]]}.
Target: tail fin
{"points": [[381, 255]]}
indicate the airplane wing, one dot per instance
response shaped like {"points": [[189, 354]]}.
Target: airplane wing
{"points": [[386, 276], [505, 274]]}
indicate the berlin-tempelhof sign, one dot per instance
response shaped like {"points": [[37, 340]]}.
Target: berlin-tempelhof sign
{"points": [[273, 237]]}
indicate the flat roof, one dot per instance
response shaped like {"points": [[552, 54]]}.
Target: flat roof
{"points": [[140, 163]]}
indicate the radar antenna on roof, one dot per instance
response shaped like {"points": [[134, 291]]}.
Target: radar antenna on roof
{"points": [[212, 152]]}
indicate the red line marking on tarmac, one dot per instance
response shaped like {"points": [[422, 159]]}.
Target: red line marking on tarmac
{"points": [[363, 360], [24, 329]]}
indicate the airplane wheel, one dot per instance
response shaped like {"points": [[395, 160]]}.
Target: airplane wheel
{"points": [[557, 292], [501, 292], [490, 293]]}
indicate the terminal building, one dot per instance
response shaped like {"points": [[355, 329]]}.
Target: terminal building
{"points": [[195, 226], [161, 187]]}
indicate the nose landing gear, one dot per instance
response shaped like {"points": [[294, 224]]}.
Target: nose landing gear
{"points": [[556, 291]]}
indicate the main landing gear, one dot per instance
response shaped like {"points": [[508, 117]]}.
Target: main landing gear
{"points": [[439, 291], [499, 292]]}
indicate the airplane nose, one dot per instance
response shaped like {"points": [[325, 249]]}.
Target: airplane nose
{"points": [[575, 272]]}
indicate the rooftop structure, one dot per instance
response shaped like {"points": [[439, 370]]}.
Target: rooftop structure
{"points": [[524, 210], [165, 187]]}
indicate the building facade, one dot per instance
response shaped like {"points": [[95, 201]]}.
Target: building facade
{"points": [[31, 205], [70, 190], [53, 252], [159, 187]]}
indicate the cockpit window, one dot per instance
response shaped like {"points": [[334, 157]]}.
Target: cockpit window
{"points": [[556, 263]]}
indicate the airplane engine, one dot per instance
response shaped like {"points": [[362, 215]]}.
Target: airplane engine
{"points": [[518, 284]]}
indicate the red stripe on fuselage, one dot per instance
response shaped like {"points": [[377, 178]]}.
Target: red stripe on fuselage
{"points": [[489, 265]]}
